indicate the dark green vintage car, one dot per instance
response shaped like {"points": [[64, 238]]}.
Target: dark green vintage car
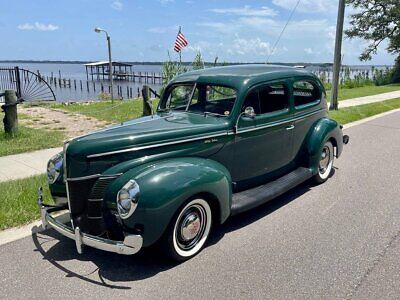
{"points": [[223, 141]]}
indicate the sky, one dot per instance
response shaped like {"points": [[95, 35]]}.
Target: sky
{"points": [[145, 30]]}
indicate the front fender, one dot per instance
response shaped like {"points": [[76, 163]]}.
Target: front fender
{"points": [[164, 187], [323, 130]]}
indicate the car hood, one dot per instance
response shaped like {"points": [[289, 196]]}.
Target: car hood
{"points": [[146, 132]]}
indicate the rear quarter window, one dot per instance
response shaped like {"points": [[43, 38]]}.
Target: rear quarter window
{"points": [[305, 92]]}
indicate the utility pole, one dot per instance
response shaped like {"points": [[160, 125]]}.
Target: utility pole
{"points": [[338, 56], [110, 70], [110, 66]]}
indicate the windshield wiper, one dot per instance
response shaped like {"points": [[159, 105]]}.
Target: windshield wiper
{"points": [[206, 113]]}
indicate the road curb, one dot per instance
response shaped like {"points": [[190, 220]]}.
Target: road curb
{"points": [[362, 121], [14, 234]]}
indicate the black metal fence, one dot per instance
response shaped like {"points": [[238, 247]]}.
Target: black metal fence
{"points": [[28, 85]]}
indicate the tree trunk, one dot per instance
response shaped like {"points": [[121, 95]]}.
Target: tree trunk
{"points": [[147, 105], [10, 119], [396, 75]]}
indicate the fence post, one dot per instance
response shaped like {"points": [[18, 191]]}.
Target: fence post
{"points": [[147, 105], [10, 109]]}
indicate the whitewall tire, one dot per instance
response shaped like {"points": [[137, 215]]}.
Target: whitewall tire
{"points": [[189, 230], [325, 163]]}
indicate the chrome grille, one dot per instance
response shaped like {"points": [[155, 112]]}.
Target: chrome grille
{"points": [[85, 197], [100, 186]]}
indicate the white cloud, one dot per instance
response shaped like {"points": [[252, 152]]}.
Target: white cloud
{"points": [[117, 5], [157, 30], [253, 46], [38, 26], [246, 11], [308, 6], [25, 26], [268, 27], [308, 50], [166, 2]]}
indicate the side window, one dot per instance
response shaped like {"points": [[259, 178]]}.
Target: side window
{"points": [[273, 97], [305, 92], [268, 98]]}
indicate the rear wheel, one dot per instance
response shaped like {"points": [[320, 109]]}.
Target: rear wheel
{"points": [[325, 164], [188, 231]]}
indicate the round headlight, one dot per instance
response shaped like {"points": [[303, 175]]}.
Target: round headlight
{"points": [[127, 199], [54, 167]]}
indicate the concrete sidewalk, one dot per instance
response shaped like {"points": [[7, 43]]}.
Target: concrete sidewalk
{"points": [[25, 164], [34, 163], [369, 99]]}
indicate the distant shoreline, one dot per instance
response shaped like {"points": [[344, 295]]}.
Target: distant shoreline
{"points": [[326, 65]]}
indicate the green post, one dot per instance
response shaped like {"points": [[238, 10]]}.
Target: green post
{"points": [[10, 112], [147, 105]]}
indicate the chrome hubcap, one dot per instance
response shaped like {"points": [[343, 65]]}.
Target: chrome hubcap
{"points": [[191, 227], [325, 159]]}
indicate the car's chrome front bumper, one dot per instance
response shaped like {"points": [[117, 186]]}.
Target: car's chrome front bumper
{"points": [[130, 245]]}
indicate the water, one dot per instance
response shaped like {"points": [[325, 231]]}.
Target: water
{"points": [[75, 74]]}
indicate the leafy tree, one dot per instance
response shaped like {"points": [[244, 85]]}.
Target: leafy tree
{"points": [[171, 69], [198, 62], [376, 21]]}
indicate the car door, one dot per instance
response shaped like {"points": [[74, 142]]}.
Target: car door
{"points": [[308, 108], [263, 143]]}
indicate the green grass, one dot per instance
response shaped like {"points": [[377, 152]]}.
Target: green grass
{"points": [[355, 113], [28, 139], [18, 203], [116, 112], [369, 90]]}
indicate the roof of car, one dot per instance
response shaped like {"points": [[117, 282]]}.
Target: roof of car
{"points": [[240, 76]]}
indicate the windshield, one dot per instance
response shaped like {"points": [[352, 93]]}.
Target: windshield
{"points": [[200, 98]]}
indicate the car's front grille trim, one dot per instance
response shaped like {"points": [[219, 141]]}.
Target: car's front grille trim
{"points": [[85, 198]]}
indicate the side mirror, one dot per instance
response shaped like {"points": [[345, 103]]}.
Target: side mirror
{"points": [[249, 112]]}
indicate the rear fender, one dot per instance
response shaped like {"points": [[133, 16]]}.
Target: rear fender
{"points": [[165, 186], [323, 130]]}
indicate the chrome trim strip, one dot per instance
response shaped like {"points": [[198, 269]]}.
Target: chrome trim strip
{"points": [[65, 147], [156, 145], [191, 96], [100, 176], [278, 123], [95, 200], [130, 245]]}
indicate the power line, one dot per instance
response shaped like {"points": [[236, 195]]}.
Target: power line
{"points": [[283, 30]]}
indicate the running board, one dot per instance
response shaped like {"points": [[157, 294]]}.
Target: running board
{"points": [[251, 198]]}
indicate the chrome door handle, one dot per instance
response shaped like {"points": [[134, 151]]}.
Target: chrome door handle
{"points": [[290, 127]]}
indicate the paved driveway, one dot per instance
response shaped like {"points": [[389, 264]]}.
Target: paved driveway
{"points": [[337, 240]]}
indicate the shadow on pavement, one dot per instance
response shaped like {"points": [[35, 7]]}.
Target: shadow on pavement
{"points": [[147, 263]]}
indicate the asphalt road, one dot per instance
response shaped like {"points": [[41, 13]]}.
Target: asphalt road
{"points": [[337, 240]]}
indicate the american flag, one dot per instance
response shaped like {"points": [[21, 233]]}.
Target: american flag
{"points": [[180, 42]]}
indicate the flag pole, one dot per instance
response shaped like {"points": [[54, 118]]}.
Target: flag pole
{"points": [[180, 51]]}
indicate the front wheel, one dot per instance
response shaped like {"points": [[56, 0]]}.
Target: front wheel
{"points": [[325, 164], [188, 231]]}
